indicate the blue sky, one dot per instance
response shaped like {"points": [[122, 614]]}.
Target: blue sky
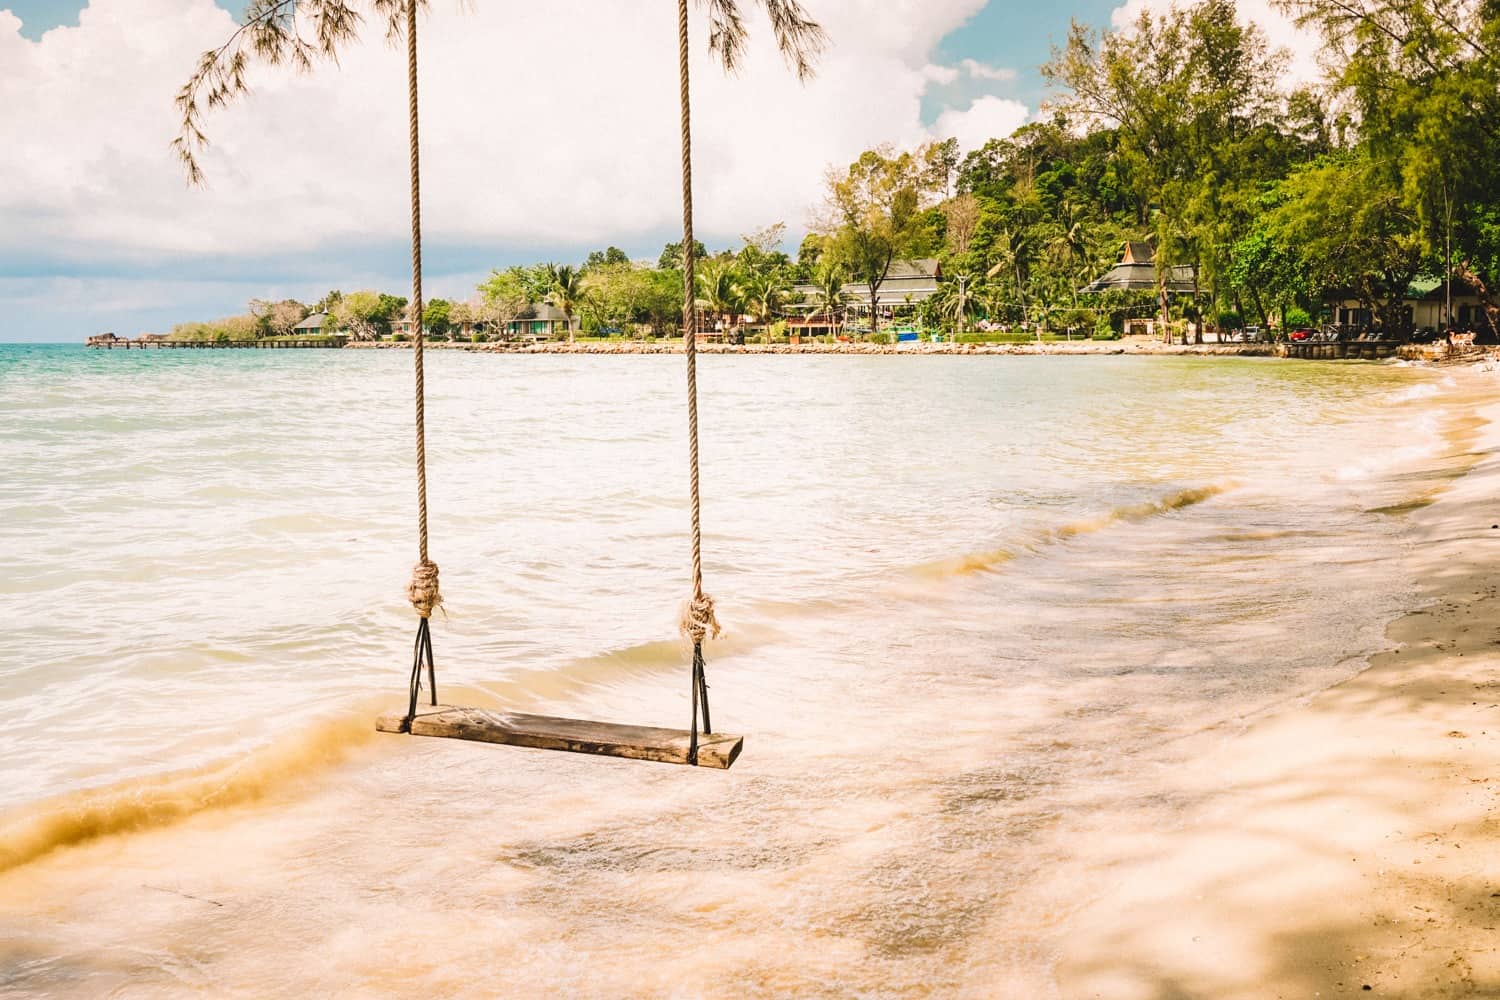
{"points": [[105, 237]]}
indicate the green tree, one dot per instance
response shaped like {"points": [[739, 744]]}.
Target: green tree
{"points": [[609, 256], [1423, 77], [765, 294], [503, 297], [1354, 231], [278, 319], [565, 291], [438, 317], [661, 299], [671, 255], [366, 314], [871, 217], [828, 294], [721, 293]]}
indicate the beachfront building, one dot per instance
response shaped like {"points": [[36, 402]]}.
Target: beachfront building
{"points": [[1136, 272], [1424, 307], [105, 340], [907, 285], [539, 322], [819, 324], [313, 326]]}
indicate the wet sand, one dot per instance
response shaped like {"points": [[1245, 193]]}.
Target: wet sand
{"points": [[1349, 845], [1018, 848]]}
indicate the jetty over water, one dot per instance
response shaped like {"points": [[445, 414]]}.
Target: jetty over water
{"points": [[110, 342], [1331, 350]]}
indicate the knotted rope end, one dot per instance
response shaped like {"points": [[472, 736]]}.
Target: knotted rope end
{"points": [[423, 590], [699, 621]]}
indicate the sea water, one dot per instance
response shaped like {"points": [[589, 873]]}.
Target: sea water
{"points": [[969, 603]]}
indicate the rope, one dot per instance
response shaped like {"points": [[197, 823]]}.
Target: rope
{"points": [[698, 618], [423, 590], [689, 295], [699, 621]]}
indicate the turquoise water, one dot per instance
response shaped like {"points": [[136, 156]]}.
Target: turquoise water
{"points": [[965, 597]]}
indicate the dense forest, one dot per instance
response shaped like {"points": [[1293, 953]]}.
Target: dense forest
{"points": [[1179, 131]]}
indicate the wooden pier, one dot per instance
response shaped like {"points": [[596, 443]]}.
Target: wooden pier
{"points": [[270, 344], [1339, 350]]}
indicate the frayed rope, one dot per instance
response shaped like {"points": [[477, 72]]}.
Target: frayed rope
{"points": [[698, 619], [423, 590]]}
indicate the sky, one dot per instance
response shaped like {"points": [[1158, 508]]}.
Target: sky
{"points": [[548, 130]]}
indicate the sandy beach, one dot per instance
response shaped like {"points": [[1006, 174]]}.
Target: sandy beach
{"points": [[1143, 756], [1348, 845]]}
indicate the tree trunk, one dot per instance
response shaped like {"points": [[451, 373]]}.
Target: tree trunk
{"points": [[1260, 308], [1021, 296]]}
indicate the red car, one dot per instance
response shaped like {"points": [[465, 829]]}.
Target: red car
{"points": [[1299, 335]]}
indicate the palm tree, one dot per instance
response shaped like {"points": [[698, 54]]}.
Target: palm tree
{"points": [[1072, 241], [828, 285], [764, 294], [954, 302], [565, 291], [1015, 250], [719, 291]]}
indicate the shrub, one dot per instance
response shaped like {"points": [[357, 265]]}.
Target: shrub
{"points": [[1295, 316], [880, 338], [400, 338], [1104, 328], [1231, 320]]}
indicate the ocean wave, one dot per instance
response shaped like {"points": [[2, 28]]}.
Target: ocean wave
{"points": [[992, 559], [300, 754], [40, 828]]}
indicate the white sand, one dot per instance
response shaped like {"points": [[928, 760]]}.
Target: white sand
{"points": [[1349, 842]]}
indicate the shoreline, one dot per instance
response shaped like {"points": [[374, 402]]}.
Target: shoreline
{"points": [[1334, 839], [672, 346], [1346, 844]]}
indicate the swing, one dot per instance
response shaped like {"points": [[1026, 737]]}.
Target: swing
{"points": [[672, 746]]}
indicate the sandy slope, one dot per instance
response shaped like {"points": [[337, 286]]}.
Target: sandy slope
{"points": [[1346, 846]]}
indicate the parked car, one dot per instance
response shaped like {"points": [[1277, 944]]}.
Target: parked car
{"points": [[1302, 334]]}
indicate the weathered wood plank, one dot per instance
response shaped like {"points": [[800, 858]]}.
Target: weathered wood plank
{"points": [[545, 732]]}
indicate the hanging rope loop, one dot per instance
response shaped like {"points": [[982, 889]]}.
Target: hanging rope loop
{"points": [[699, 621], [423, 590]]}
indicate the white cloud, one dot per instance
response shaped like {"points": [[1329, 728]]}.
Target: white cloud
{"points": [[982, 71], [1281, 31], [543, 124], [987, 118], [943, 75]]}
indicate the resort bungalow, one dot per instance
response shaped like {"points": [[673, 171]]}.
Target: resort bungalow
{"points": [[907, 284], [313, 326], [1136, 272], [819, 324], [105, 340], [1424, 307], [539, 322]]}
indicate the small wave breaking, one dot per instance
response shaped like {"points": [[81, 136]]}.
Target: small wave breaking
{"points": [[989, 561], [40, 828]]}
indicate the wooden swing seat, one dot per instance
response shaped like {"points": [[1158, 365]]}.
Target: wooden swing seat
{"points": [[544, 732]]}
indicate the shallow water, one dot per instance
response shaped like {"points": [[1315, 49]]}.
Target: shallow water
{"points": [[970, 600]]}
